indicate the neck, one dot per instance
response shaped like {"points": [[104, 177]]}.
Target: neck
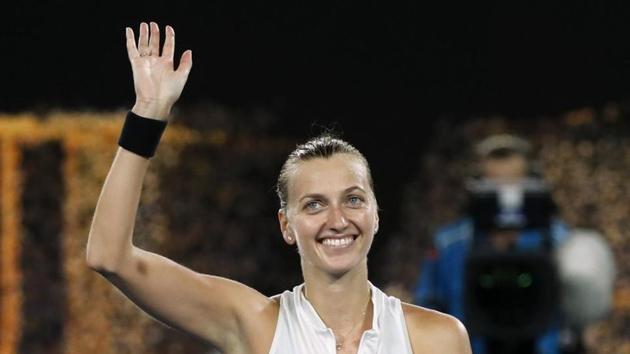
{"points": [[341, 301]]}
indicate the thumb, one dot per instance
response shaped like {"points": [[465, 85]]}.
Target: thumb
{"points": [[185, 63]]}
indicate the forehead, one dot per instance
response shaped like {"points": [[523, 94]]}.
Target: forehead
{"points": [[511, 166], [328, 175]]}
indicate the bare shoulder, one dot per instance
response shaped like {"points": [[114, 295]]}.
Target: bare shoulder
{"points": [[275, 299], [257, 316], [431, 331]]}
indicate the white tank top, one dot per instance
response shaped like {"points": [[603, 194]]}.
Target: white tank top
{"points": [[301, 330]]}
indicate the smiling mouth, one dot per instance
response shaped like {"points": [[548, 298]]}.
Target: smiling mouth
{"points": [[338, 242]]}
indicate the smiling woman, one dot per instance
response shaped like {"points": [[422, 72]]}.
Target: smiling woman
{"points": [[327, 208], [329, 201]]}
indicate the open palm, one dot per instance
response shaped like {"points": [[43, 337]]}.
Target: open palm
{"points": [[156, 82]]}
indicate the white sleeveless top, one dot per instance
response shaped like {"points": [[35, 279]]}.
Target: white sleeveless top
{"points": [[301, 331]]}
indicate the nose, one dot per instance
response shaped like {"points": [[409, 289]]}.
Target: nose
{"points": [[337, 219]]}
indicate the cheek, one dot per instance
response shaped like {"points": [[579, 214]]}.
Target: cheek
{"points": [[368, 220], [306, 226], [365, 221]]}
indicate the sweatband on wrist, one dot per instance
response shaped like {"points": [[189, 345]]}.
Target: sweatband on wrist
{"points": [[141, 135]]}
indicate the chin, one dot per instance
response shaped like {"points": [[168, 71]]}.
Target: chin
{"points": [[337, 261], [341, 267]]}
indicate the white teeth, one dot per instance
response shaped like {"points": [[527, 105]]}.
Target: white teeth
{"points": [[338, 242]]}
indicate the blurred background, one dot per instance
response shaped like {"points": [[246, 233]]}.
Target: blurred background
{"points": [[413, 86]]}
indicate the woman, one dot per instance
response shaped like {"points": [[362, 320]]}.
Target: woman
{"points": [[328, 210]]}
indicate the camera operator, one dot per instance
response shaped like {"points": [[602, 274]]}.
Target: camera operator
{"points": [[504, 161]]}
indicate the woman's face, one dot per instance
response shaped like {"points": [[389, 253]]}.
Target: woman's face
{"points": [[331, 213]]}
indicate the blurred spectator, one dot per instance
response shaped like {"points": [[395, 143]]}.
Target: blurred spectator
{"points": [[504, 160]]}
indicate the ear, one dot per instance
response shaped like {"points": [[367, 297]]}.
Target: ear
{"points": [[283, 219], [376, 222]]}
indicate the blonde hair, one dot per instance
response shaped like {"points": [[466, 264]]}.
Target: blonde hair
{"points": [[323, 146]]}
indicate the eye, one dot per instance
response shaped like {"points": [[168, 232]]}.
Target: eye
{"points": [[355, 201], [313, 205]]}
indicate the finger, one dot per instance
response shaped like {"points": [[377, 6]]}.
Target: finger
{"points": [[185, 63], [169, 44], [143, 39], [154, 39], [132, 51]]}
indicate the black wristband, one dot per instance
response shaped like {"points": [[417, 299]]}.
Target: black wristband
{"points": [[141, 135]]}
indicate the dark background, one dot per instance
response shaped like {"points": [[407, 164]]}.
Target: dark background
{"points": [[384, 71], [357, 62]]}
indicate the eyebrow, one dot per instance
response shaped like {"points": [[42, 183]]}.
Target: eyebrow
{"points": [[321, 196], [354, 188]]}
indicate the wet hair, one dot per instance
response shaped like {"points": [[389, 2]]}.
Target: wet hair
{"points": [[324, 146]]}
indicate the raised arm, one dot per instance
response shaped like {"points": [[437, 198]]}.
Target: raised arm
{"points": [[211, 308]]}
